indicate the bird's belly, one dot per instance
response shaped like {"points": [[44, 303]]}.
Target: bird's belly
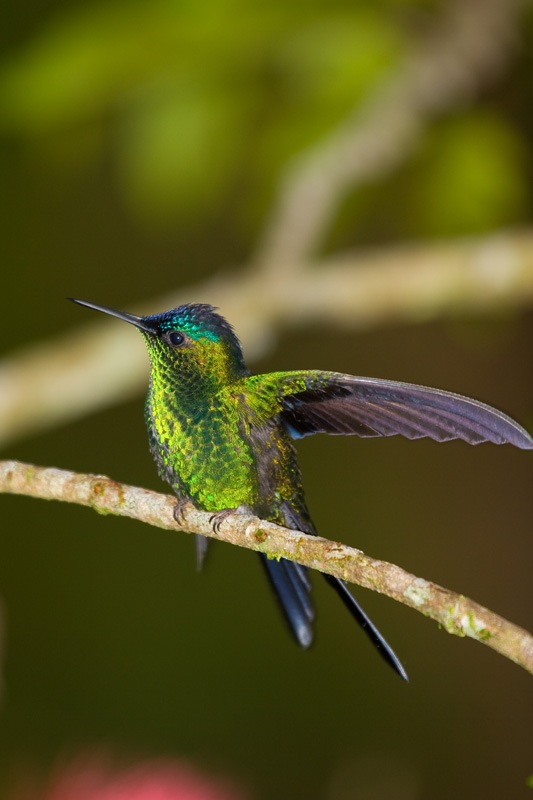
{"points": [[218, 462], [215, 474]]}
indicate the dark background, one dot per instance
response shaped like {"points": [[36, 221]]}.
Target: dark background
{"points": [[141, 147]]}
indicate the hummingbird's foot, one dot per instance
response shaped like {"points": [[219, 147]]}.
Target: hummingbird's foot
{"points": [[178, 514], [217, 519]]}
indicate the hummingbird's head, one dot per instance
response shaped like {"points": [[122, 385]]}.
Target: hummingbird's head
{"points": [[190, 340], [194, 337]]}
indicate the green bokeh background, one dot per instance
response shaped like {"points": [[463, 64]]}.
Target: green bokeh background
{"points": [[141, 147]]}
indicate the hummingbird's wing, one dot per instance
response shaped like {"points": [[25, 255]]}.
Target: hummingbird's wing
{"points": [[329, 402]]}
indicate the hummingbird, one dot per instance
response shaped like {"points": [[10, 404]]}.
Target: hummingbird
{"points": [[222, 437]]}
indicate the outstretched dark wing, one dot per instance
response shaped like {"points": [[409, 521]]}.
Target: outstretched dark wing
{"points": [[329, 402]]}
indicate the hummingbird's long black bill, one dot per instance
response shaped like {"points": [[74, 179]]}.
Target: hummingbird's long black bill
{"points": [[139, 322]]}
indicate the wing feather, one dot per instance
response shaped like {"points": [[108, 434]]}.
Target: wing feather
{"points": [[347, 405]]}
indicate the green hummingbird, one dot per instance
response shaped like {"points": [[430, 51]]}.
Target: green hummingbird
{"points": [[223, 437]]}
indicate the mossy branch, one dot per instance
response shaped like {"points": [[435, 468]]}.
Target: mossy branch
{"points": [[454, 612]]}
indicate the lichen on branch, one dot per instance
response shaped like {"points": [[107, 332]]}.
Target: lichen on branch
{"points": [[454, 612]]}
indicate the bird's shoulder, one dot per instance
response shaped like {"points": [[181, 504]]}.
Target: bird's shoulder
{"points": [[263, 395]]}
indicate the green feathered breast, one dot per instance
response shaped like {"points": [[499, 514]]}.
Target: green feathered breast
{"points": [[224, 446]]}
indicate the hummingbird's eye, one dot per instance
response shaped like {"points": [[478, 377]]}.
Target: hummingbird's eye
{"points": [[175, 338]]}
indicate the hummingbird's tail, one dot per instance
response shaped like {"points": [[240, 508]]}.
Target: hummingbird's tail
{"points": [[367, 625], [201, 545], [292, 588]]}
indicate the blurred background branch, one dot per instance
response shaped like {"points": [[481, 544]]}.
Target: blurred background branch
{"points": [[61, 380], [464, 50], [456, 55]]}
